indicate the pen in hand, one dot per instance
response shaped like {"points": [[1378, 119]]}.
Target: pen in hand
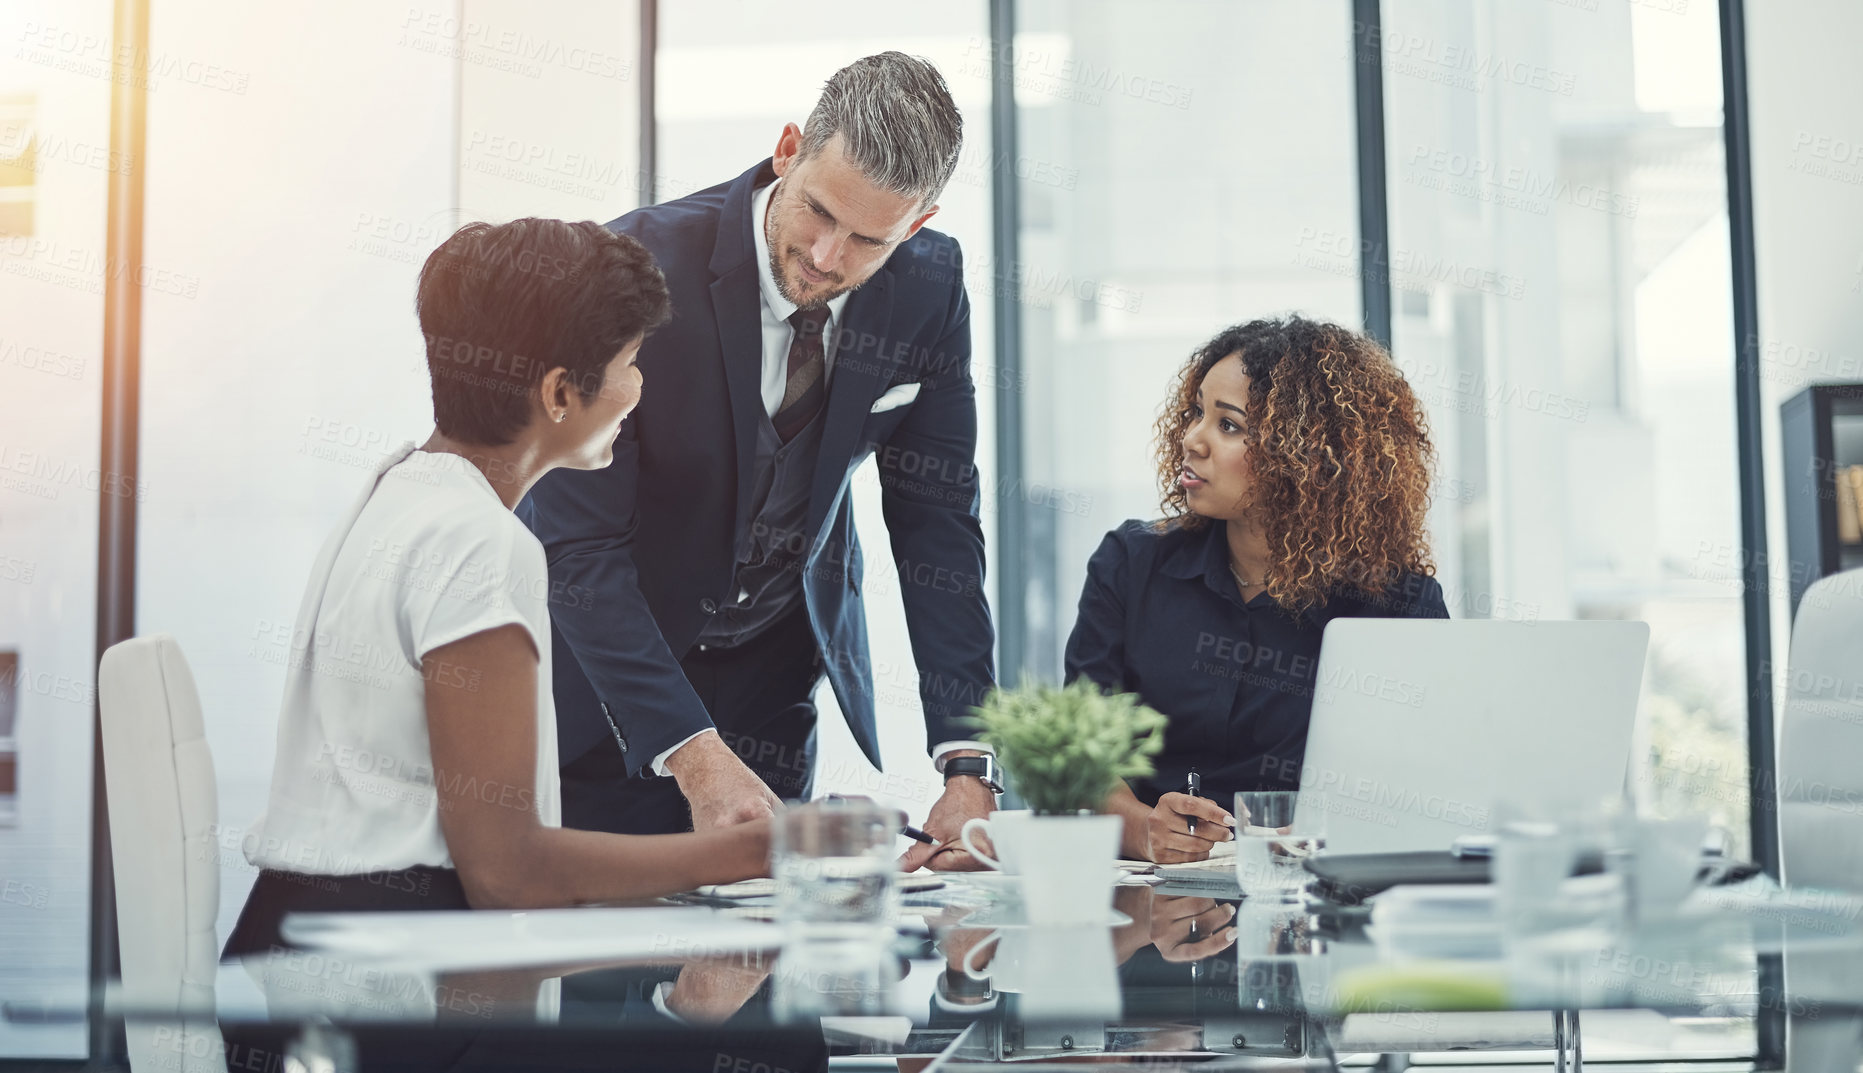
{"points": [[1192, 783], [908, 830]]}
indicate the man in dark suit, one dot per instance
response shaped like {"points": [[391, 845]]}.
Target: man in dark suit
{"points": [[705, 582]]}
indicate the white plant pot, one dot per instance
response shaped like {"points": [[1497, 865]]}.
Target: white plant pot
{"points": [[1067, 867]]}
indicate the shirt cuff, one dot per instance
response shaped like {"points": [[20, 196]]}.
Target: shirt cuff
{"points": [[660, 991], [659, 762], [952, 1006], [940, 750]]}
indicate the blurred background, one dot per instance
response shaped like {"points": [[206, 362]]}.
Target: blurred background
{"points": [[1555, 275]]}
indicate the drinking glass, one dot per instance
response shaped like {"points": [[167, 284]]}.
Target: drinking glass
{"points": [[1274, 838], [833, 863]]}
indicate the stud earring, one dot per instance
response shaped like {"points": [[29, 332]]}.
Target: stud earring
{"points": [[561, 416]]}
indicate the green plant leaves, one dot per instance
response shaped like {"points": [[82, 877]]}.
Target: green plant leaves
{"points": [[1066, 748]]}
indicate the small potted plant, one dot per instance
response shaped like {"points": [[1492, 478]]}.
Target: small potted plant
{"points": [[1064, 749]]}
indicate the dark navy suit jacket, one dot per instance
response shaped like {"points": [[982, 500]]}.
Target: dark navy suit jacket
{"points": [[642, 552], [1160, 616]]}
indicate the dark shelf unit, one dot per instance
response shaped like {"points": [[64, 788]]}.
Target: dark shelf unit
{"points": [[1820, 433]]}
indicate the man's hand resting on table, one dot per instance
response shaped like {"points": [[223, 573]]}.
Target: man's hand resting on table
{"points": [[711, 991], [720, 789], [964, 798]]}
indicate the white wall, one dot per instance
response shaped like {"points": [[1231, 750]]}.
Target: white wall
{"points": [[305, 206]]}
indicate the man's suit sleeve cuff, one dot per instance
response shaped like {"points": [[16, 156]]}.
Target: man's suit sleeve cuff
{"points": [[944, 748], [659, 762]]}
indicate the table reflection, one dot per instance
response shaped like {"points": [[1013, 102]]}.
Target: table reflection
{"points": [[1222, 979]]}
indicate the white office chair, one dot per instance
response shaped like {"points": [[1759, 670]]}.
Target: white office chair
{"points": [[1820, 758], [159, 786], [1820, 777]]}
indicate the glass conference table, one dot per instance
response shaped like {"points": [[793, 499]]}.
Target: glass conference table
{"points": [[1744, 976]]}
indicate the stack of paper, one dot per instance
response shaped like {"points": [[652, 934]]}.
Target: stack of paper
{"points": [[1438, 920]]}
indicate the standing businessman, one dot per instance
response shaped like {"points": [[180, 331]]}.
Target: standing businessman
{"points": [[704, 583]]}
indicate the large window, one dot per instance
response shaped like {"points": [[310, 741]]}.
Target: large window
{"points": [[1184, 166], [1559, 262]]}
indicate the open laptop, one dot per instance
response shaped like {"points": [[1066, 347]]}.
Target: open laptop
{"points": [[1420, 728]]}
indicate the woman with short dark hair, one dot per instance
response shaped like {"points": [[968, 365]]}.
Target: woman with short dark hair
{"points": [[416, 763], [1294, 467]]}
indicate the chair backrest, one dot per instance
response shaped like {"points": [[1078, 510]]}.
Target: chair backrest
{"points": [[159, 782], [1820, 762], [1820, 769]]}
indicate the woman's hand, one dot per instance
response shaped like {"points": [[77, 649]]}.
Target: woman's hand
{"points": [[1191, 929], [1168, 835], [1129, 939]]}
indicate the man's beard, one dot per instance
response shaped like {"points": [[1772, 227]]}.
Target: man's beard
{"points": [[782, 280]]}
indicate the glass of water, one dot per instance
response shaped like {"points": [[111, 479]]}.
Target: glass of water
{"points": [[835, 878], [1273, 842]]}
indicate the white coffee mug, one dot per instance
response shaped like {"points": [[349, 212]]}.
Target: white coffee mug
{"points": [[1004, 970], [1004, 829], [1666, 857]]}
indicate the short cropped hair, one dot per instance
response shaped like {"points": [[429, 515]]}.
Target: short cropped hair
{"points": [[897, 123], [502, 304]]}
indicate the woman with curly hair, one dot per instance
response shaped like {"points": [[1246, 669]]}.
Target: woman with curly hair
{"points": [[1294, 467]]}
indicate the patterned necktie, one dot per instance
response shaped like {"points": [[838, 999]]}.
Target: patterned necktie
{"points": [[805, 390]]}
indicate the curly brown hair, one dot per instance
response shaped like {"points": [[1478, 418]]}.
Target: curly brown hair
{"points": [[1339, 456]]}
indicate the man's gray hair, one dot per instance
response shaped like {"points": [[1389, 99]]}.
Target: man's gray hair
{"points": [[897, 123]]}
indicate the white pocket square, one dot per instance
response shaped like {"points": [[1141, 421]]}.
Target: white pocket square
{"points": [[896, 397]]}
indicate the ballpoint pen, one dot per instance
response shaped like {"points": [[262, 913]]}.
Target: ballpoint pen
{"points": [[908, 830], [917, 835], [1192, 783]]}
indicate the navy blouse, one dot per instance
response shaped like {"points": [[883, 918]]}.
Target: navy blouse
{"points": [[1161, 616]]}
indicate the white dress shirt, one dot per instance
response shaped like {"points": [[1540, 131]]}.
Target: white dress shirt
{"points": [[776, 311]]}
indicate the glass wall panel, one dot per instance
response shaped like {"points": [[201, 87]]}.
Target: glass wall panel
{"points": [[731, 73], [55, 167], [1185, 166], [1559, 252]]}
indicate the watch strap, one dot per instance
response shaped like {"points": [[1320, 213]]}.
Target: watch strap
{"points": [[983, 767]]}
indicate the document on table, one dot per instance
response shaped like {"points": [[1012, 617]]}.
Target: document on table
{"points": [[765, 888], [1222, 858]]}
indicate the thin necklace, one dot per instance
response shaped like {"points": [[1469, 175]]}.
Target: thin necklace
{"points": [[1240, 580]]}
